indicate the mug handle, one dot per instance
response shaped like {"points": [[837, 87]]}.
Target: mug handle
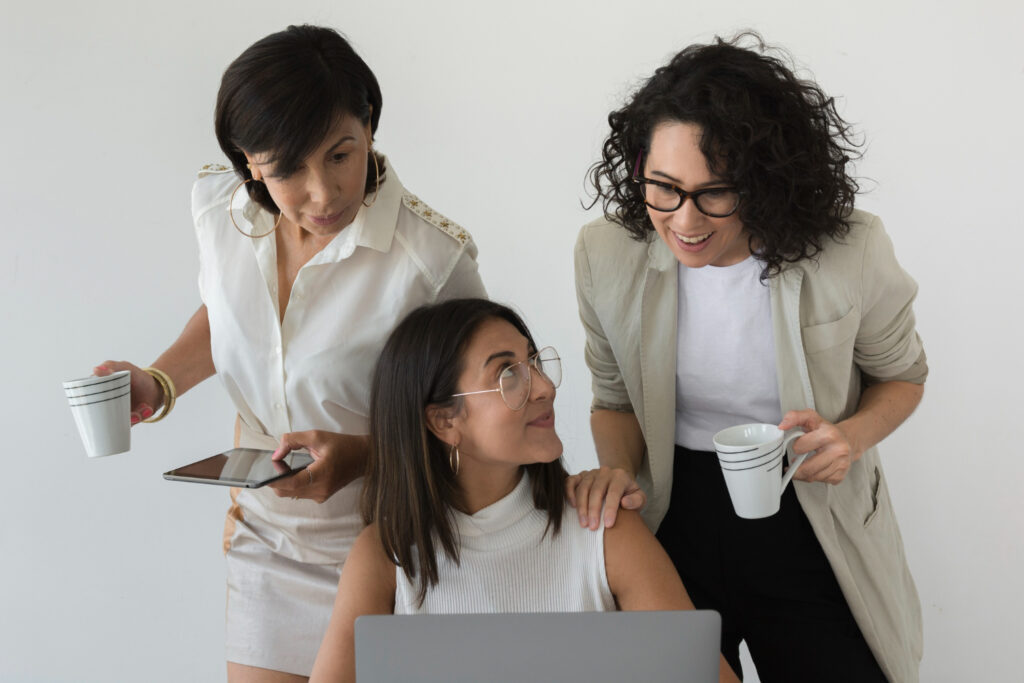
{"points": [[793, 466]]}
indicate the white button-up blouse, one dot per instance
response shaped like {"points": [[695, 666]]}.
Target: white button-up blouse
{"points": [[313, 369]]}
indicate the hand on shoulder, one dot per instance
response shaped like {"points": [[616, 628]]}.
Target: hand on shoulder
{"points": [[603, 489]]}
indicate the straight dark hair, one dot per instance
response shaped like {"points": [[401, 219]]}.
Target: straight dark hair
{"points": [[410, 489], [282, 96]]}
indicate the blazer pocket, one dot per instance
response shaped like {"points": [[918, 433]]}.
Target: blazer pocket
{"points": [[826, 335], [876, 503]]}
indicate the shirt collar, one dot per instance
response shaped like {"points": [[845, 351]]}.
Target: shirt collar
{"points": [[373, 226], [380, 219], [499, 515]]}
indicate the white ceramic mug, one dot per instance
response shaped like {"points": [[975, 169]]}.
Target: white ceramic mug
{"points": [[751, 458], [101, 407]]}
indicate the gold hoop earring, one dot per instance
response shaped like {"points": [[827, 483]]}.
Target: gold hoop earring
{"points": [[376, 167], [231, 214], [453, 459]]}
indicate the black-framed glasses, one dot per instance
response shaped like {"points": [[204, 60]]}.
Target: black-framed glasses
{"points": [[716, 202], [516, 381]]}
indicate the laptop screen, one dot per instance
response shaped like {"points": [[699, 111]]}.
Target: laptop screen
{"points": [[585, 647]]}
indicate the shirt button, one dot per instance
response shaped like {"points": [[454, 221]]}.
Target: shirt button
{"points": [[277, 350], [278, 406]]}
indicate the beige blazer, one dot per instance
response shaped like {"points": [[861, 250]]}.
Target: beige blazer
{"points": [[839, 320]]}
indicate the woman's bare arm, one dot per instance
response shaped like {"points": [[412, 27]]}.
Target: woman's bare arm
{"points": [[367, 586], [641, 575], [188, 361]]}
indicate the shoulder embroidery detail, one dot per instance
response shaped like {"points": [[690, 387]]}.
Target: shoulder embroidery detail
{"points": [[450, 227], [208, 169]]}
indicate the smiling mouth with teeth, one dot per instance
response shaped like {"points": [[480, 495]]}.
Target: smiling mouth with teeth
{"points": [[693, 240]]}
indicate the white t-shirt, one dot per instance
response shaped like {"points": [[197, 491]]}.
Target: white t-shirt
{"points": [[313, 370], [508, 564], [725, 358]]}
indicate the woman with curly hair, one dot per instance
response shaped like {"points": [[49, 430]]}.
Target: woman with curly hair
{"points": [[733, 281]]}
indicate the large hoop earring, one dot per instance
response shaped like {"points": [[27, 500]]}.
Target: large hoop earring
{"points": [[453, 459], [376, 167], [231, 215]]}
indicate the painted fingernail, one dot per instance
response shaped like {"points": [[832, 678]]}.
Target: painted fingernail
{"points": [[146, 412], [135, 419]]}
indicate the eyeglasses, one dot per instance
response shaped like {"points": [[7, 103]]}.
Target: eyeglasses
{"points": [[516, 381], [716, 202]]}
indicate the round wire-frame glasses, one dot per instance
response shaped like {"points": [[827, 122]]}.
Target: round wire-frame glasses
{"points": [[516, 381]]}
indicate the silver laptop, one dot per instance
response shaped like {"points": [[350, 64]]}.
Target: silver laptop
{"points": [[506, 648]]}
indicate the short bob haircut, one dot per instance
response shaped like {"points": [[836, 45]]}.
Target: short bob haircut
{"points": [[284, 93], [777, 138], [410, 488]]}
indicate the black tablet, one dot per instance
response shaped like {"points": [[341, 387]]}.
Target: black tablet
{"points": [[245, 467]]}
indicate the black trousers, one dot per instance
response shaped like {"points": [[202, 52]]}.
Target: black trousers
{"points": [[768, 578]]}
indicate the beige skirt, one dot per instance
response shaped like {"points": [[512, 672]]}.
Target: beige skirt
{"points": [[277, 608], [283, 560]]}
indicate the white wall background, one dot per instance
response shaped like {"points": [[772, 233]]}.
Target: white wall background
{"points": [[492, 113]]}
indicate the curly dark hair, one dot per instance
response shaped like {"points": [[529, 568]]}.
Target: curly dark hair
{"points": [[777, 138]]}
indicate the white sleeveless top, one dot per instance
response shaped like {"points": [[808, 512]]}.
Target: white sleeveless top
{"points": [[508, 564]]}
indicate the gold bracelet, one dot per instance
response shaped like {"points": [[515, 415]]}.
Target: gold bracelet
{"points": [[170, 394]]}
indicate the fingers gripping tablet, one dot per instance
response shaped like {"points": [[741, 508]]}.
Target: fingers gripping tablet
{"points": [[244, 467]]}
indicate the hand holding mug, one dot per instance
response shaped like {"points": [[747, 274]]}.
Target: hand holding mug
{"points": [[99, 405], [146, 394], [832, 451], [752, 457]]}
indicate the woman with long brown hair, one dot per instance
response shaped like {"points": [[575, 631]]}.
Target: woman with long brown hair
{"points": [[465, 490]]}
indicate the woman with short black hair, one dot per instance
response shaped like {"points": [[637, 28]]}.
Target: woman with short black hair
{"points": [[311, 250], [732, 281]]}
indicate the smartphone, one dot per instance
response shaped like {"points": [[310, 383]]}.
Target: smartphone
{"points": [[248, 468]]}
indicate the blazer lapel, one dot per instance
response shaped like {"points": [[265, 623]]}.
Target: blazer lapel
{"points": [[793, 379], [658, 368]]}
